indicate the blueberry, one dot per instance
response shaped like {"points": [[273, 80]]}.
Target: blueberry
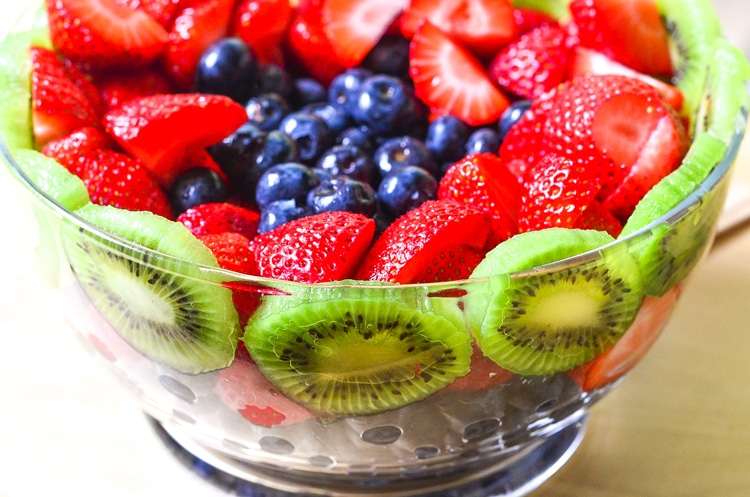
{"points": [[446, 138], [406, 188], [511, 115], [398, 152], [383, 103], [290, 180], [235, 155], [196, 186], [334, 115], [279, 212], [309, 132], [356, 137], [344, 87], [267, 110], [483, 140], [228, 67], [307, 91], [342, 160], [389, 56], [340, 193], [272, 78]]}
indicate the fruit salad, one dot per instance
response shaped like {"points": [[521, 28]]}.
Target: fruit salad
{"points": [[307, 213]]}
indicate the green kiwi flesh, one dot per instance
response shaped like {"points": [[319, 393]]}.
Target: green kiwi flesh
{"points": [[555, 8], [53, 179], [694, 29], [542, 321], [356, 351], [165, 307]]}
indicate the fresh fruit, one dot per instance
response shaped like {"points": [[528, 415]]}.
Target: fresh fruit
{"points": [[71, 149], [52, 179], [217, 218], [263, 25], [354, 27], [115, 88], [232, 251], [541, 322], [243, 387], [358, 351], [58, 106], [631, 33], [484, 26], [314, 249], [417, 246], [161, 130], [309, 45], [483, 181], [448, 79], [103, 34], [165, 308]]}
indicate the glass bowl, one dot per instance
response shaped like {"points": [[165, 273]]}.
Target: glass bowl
{"points": [[488, 432]]}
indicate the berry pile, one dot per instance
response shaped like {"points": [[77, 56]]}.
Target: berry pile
{"points": [[397, 141]]}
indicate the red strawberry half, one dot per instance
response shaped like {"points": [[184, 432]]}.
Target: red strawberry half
{"points": [[71, 150], [161, 130], [216, 218], [483, 181], [232, 251], [58, 106], [318, 248], [263, 25], [449, 80], [426, 242], [103, 33], [116, 88], [353, 27]]}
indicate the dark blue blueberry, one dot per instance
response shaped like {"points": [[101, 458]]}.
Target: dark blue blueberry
{"points": [[406, 188], [385, 104], [342, 160], [267, 110], [389, 56], [277, 148], [279, 212], [446, 138], [309, 132], [340, 193], [196, 186], [511, 116], [483, 140], [236, 156], [290, 180], [228, 67], [273, 78], [356, 137], [334, 115], [344, 87], [308, 91], [403, 151]]}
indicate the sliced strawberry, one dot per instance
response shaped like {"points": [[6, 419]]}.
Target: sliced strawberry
{"points": [[117, 87], [243, 387], [58, 106], [528, 19], [161, 130], [452, 263], [221, 217], [70, 150], [555, 194], [606, 122], [116, 179], [314, 249], [163, 11], [448, 79], [631, 33], [85, 82], [310, 48], [633, 346], [195, 28], [355, 26], [587, 61], [101, 33], [484, 374], [483, 181], [483, 26], [232, 251], [534, 63], [596, 217], [263, 25], [422, 236]]}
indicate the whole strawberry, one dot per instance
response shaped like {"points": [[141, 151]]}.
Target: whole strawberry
{"points": [[314, 249]]}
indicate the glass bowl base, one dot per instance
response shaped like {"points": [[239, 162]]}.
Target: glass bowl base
{"points": [[510, 477]]}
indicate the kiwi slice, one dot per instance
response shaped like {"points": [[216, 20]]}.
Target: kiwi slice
{"points": [[541, 321], [694, 28], [52, 179], [164, 306], [356, 349], [555, 8]]}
